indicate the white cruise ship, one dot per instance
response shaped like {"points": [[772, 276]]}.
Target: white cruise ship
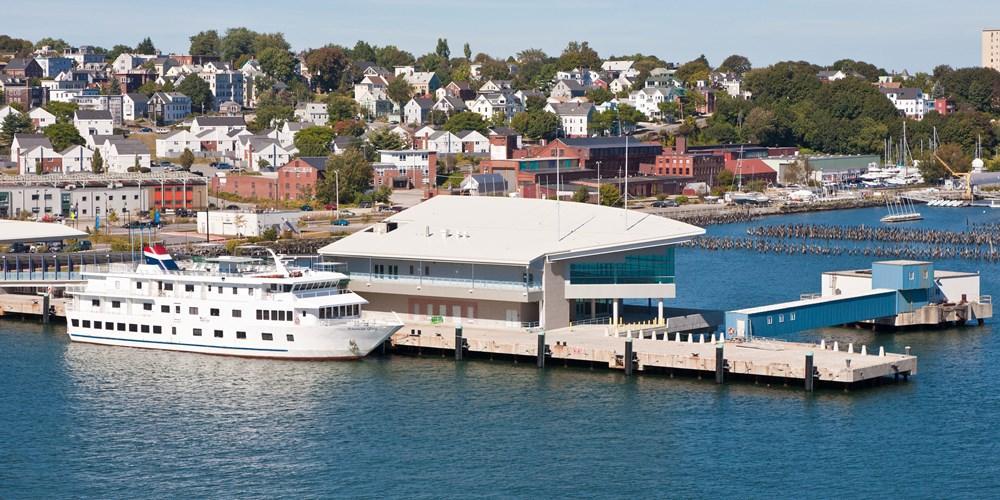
{"points": [[235, 306]]}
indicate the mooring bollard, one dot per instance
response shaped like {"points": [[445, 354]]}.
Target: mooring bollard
{"points": [[881, 351], [701, 338], [809, 372], [907, 350], [720, 363], [836, 345], [45, 308], [459, 342], [540, 350], [850, 347], [628, 357], [864, 350]]}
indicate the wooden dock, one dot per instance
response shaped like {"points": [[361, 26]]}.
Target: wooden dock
{"points": [[699, 355], [31, 305]]}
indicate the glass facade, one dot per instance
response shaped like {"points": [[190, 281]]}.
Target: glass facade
{"points": [[535, 165], [635, 270]]}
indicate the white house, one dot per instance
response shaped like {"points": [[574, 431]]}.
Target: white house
{"points": [[126, 62], [450, 105], [44, 155], [417, 110], [423, 82], [647, 100], [169, 107], [474, 142], [225, 123], [77, 158], [93, 122], [41, 118], [173, 144], [123, 154], [621, 83], [911, 101], [574, 116], [7, 110], [312, 112], [488, 105], [286, 134], [225, 83], [619, 68], [134, 106], [257, 149], [442, 142]]}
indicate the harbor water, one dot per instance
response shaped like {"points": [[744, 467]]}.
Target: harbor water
{"points": [[90, 421]]}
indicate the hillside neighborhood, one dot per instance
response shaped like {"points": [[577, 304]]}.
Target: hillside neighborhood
{"points": [[264, 123]]}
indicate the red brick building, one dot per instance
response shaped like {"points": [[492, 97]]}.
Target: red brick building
{"points": [[680, 162], [297, 179], [174, 194], [604, 153], [247, 186], [944, 106], [23, 68]]}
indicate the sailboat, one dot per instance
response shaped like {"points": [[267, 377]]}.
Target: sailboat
{"points": [[900, 210]]}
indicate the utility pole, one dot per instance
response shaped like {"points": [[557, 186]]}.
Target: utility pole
{"points": [[598, 182]]}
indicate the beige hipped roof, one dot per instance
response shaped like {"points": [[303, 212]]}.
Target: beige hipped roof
{"points": [[12, 231], [511, 231]]}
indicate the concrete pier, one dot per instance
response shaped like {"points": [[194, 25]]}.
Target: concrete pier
{"points": [[754, 359], [33, 305]]}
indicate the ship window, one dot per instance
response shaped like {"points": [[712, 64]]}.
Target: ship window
{"points": [[241, 335], [218, 334], [196, 332], [237, 313], [260, 314], [76, 322], [121, 327], [303, 314], [173, 330], [132, 327], [165, 309], [290, 337], [220, 290], [274, 315], [213, 311], [159, 329], [322, 313], [288, 316], [267, 314], [86, 323], [109, 325], [144, 329], [147, 306], [177, 309], [250, 292], [188, 288], [193, 311], [138, 285], [168, 286], [266, 336], [288, 288], [115, 304], [234, 290]]}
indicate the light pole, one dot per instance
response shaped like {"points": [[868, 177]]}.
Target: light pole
{"points": [[598, 182], [336, 176]]}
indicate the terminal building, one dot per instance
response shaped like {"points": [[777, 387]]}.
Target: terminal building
{"points": [[511, 262]]}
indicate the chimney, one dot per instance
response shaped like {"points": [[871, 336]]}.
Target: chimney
{"points": [[680, 144]]}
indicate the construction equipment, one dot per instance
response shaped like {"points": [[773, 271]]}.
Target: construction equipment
{"points": [[965, 176]]}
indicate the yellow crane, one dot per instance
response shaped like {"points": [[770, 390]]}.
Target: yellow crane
{"points": [[966, 176]]}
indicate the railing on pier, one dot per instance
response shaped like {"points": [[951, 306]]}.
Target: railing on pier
{"points": [[599, 320], [439, 281]]}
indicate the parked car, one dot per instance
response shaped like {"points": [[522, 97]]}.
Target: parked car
{"points": [[18, 247], [162, 130], [223, 166], [145, 130], [664, 204], [306, 208], [232, 207], [347, 213], [396, 208], [341, 222], [81, 246], [365, 204], [55, 246], [39, 248], [182, 212]]}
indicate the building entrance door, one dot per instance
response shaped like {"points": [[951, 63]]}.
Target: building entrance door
{"points": [[513, 318]]}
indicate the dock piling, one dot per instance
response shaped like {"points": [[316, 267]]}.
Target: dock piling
{"points": [[628, 357], [907, 348], [540, 351], [459, 342], [809, 372], [720, 363], [45, 308]]}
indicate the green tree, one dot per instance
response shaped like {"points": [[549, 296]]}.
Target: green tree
{"points": [[326, 65], [400, 91], [39, 169], [349, 128], [314, 141], [97, 162], [264, 41], [692, 71], [363, 51], [237, 42], [629, 116], [186, 159], [146, 46], [467, 51], [269, 234], [391, 56], [610, 195], [725, 179], [534, 103], [198, 91], [578, 55], [276, 63], [466, 120], [385, 139], [340, 107], [115, 88], [787, 81], [63, 135], [56, 44], [205, 43], [599, 95], [116, 51], [581, 195], [262, 164], [14, 123], [735, 64], [354, 172], [437, 117], [63, 111], [442, 49], [382, 195], [536, 125]]}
